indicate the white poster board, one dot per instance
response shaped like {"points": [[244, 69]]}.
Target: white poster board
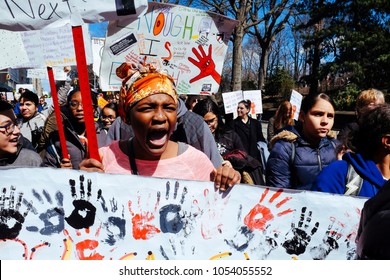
{"points": [[190, 44], [66, 214], [10, 96], [97, 53], [25, 86], [22, 15], [255, 97], [231, 100], [296, 100], [11, 48], [59, 74], [53, 47]]}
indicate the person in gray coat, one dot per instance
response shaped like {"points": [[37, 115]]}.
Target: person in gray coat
{"points": [[13, 151]]}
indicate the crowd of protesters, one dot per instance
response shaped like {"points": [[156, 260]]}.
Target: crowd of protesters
{"points": [[150, 130]]}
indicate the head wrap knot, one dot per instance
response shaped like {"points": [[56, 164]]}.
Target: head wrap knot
{"points": [[139, 82]]}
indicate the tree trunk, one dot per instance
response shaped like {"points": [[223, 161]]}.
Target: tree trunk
{"points": [[237, 59], [263, 67]]}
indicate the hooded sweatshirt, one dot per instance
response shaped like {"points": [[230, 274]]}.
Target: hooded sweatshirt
{"points": [[333, 178]]}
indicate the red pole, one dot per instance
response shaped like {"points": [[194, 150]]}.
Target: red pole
{"points": [[82, 69], [57, 111]]}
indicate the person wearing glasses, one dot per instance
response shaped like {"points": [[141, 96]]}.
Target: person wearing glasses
{"points": [[229, 144], [107, 116], [74, 128], [13, 151]]}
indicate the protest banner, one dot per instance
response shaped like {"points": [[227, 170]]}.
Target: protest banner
{"points": [[190, 44], [296, 100], [68, 214], [22, 15]]}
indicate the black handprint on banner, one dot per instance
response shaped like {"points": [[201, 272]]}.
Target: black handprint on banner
{"points": [[50, 215], [301, 238], [115, 225], [259, 244], [11, 220], [243, 235], [172, 218], [329, 244], [83, 215]]}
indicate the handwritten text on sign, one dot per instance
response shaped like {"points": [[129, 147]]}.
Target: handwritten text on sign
{"points": [[189, 44], [18, 15]]}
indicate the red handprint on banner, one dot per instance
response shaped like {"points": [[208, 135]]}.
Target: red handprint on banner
{"points": [[142, 221], [205, 64], [251, 220]]}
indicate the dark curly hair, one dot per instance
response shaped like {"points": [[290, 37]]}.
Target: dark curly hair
{"points": [[373, 124]]}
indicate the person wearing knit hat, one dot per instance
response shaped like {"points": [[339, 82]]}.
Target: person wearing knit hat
{"points": [[148, 101]]}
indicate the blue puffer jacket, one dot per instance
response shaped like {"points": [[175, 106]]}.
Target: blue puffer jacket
{"points": [[308, 161]]}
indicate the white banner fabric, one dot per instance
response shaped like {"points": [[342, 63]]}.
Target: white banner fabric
{"points": [[59, 214], [23, 15]]}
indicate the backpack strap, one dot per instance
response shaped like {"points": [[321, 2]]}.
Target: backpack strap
{"points": [[292, 158], [353, 183]]}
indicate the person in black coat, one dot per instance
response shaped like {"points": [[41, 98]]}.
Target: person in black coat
{"points": [[373, 242], [229, 143], [248, 129]]}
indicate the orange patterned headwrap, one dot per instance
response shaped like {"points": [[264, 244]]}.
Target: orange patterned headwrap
{"points": [[139, 82]]}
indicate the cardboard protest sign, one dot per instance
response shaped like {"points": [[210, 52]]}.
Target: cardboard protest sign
{"points": [[189, 44], [231, 100], [59, 74], [25, 86], [21, 15], [52, 47], [67, 214], [11, 48], [296, 100]]}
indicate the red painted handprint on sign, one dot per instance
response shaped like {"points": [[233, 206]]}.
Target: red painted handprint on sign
{"points": [[205, 64], [265, 214], [142, 227]]}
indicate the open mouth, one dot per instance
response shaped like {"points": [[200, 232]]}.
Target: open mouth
{"points": [[158, 138], [14, 140]]}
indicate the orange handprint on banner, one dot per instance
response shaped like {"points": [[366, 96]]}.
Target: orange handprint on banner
{"points": [[205, 64], [251, 220], [142, 227], [83, 245]]}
